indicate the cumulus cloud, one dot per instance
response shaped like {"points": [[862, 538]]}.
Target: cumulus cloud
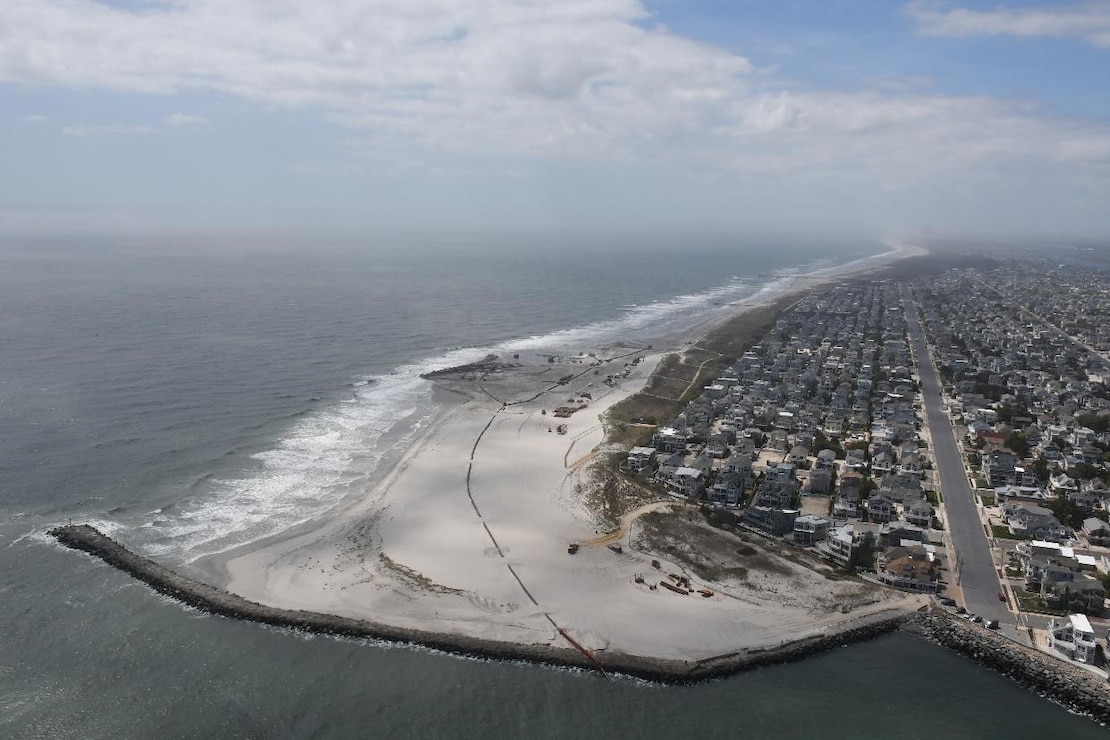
{"points": [[1090, 21], [87, 131], [33, 118], [185, 119], [582, 80]]}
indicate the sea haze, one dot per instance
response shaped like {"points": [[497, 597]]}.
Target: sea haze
{"points": [[192, 396]]}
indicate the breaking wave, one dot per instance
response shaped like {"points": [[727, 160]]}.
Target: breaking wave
{"points": [[334, 453]]}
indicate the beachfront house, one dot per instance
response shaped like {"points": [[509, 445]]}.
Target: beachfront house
{"points": [[641, 459], [773, 521], [810, 529], [1074, 637], [839, 544], [728, 488], [687, 482], [909, 569]]}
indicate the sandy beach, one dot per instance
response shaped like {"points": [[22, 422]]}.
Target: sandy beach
{"points": [[468, 534]]}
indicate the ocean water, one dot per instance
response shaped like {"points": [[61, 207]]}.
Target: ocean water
{"points": [[191, 395]]}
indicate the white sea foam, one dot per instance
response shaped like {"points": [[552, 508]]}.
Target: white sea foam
{"points": [[335, 452]]}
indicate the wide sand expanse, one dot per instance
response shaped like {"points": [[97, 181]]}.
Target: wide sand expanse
{"points": [[468, 535]]}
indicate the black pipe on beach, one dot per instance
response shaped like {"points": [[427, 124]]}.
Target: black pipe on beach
{"points": [[217, 601]]}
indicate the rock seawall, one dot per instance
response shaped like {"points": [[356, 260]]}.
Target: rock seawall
{"points": [[215, 600], [1063, 682]]}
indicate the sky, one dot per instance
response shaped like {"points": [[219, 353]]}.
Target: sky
{"points": [[894, 118]]}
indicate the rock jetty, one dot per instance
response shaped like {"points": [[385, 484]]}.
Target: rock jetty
{"points": [[489, 364], [1065, 683], [218, 601]]}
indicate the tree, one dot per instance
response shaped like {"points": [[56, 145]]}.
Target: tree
{"points": [[1067, 511], [1040, 469], [1018, 443], [863, 555]]}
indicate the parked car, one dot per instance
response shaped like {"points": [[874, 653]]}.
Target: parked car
{"points": [[1001, 595], [961, 610], [993, 624]]}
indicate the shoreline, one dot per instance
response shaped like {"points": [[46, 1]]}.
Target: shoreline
{"points": [[220, 602], [465, 538], [1056, 680]]}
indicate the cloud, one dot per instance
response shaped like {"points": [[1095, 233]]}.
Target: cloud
{"points": [[518, 81], [33, 118], [86, 131], [184, 119], [1090, 21]]}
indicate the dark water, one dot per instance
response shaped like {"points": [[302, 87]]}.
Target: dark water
{"points": [[190, 397]]}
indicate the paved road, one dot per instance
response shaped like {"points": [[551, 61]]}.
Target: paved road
{"points": [[974, 567]]}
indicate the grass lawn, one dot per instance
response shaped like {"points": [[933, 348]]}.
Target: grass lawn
{"points": [[1001, 531], [1028, 602], [933, 497], [987, 500]]}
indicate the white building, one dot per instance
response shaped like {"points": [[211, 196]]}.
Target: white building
{"points": [[1074, 637], [839, 544]]}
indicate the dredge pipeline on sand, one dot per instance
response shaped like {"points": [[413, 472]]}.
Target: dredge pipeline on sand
{"points": [[215, 600]]}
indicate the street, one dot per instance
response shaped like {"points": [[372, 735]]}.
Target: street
{"points": [[972, 567]]}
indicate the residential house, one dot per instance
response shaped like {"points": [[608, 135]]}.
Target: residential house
{"points": [[798, 455], [999, 468], [826, 458], [1096, 532], [880, 508], [687, 482], [909, 569], [1033, 522], [774, 521], [840, 544], [641, 459], [810, 529], [919, 513], [820, 481], [893, 534], [1081, 594], [728, 488], [1074, 637]]}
